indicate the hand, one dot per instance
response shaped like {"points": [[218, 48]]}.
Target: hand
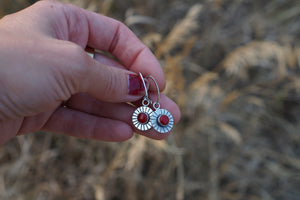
{"points": [[43, 63]]}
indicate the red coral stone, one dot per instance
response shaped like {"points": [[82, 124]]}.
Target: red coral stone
{"points": [[142, 118], [163, 120]]}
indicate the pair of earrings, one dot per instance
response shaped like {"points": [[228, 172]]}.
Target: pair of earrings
{"points": [[144, 118]]}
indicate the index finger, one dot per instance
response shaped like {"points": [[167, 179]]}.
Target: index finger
{"points": [[112, 36]]}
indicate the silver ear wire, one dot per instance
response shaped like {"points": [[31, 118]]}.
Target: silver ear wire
{"points": [[156, 104], [145, 87], [146, 100]]}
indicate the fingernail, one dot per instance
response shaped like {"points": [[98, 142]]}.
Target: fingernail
{"points": [[135, 85]]}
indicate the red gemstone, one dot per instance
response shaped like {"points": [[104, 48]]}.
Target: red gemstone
{"points": [[142, 118], [163, 120]]}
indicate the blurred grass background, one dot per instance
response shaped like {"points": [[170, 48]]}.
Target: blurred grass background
{"points": [[232, 66]]}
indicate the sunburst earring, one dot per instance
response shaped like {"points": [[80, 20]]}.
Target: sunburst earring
{"points": [[162, 121], [141, 116]]}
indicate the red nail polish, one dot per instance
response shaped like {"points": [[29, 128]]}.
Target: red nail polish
{"points": [[135, 85]]}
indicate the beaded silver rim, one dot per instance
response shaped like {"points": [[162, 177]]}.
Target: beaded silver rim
{"points": [[156, 125], [142, 126]]}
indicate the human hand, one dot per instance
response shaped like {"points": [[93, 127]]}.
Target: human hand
{"points": [[43, 63]]}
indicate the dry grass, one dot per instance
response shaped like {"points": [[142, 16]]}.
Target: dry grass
{"points": [[232, 66]]}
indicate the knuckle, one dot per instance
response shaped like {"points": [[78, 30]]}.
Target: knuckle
{"points": [[77, 57], [110, 83], [76, 51], [120, 29], [44, 4], [78, 63], [7, 17], [74, 68], [112, 86]]}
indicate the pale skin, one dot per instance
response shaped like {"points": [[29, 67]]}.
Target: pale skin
{"points": [[43, 63]]}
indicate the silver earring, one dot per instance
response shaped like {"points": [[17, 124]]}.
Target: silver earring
{"points": [[141, 116], [162, 121]]}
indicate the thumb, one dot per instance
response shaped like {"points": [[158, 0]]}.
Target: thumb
{"points": [[110, 84]]}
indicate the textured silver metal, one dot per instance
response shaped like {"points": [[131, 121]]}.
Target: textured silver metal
{"points": [[142, 126], [156, 125]]}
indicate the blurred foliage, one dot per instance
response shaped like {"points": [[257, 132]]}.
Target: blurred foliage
{"points": [[232, 66]]}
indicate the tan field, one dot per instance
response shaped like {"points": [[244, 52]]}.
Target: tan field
{"points": [[233, 68]]}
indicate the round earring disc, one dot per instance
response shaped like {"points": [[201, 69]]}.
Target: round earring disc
{"points": [[139, 120], [162, 120]]}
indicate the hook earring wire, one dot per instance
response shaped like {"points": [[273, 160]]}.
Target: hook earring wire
{"points": [[156, 105], [145, 87], [146, 100]]}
